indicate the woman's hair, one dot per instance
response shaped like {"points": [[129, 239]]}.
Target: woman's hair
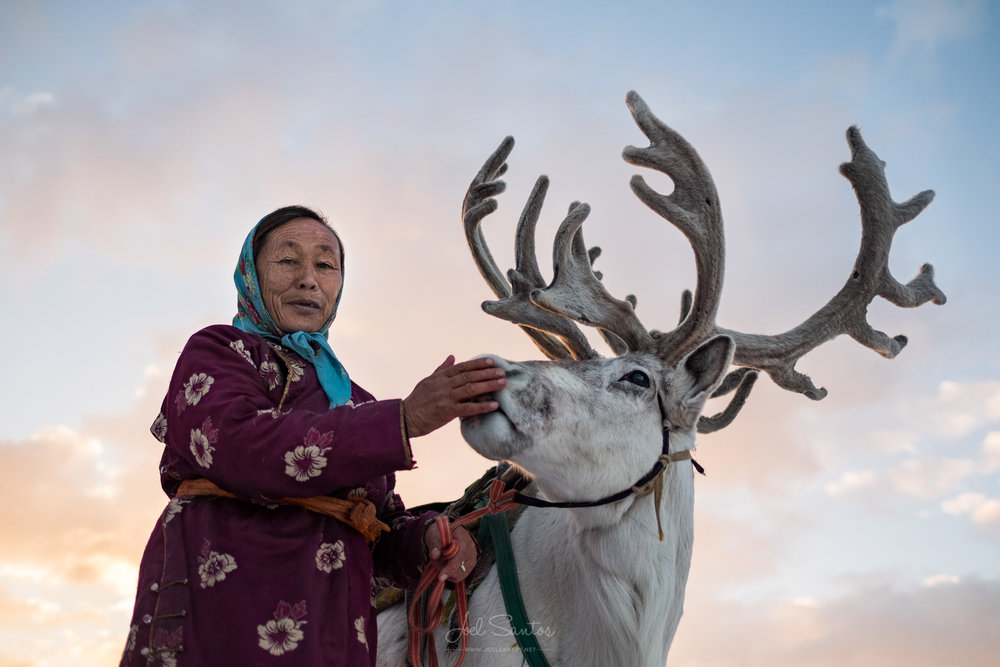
{"points": [[277, 218]]}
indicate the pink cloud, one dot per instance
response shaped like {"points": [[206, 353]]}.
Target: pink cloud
{"points": [[948, 624]]}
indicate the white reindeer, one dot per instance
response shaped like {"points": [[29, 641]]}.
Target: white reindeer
{"points": [[601, 584]]}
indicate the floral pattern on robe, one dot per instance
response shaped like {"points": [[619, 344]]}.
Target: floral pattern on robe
{"points": [[247, 581]]}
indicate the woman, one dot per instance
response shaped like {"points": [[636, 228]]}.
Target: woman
{"points": [[280, 474]]}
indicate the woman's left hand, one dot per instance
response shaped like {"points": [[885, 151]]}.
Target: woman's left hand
{"points": [[459, 566]]}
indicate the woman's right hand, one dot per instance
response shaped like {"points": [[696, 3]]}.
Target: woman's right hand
{"points": [[449, 392]]}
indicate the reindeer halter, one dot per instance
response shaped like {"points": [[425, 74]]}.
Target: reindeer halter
{"points": [[651, 482]]}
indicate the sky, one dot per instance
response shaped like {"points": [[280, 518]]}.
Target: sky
{"points": [[141, 141]]}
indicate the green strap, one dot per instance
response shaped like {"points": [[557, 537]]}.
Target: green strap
{"points": [[499, 535]]}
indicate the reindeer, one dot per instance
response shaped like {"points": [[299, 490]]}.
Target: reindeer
{"points": [[601, 584]]}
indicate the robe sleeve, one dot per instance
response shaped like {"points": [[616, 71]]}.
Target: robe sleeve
{"points": [[400, 554], [222, 421]]}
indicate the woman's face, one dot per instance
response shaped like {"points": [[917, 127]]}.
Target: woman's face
{"points": [[300, 275]]}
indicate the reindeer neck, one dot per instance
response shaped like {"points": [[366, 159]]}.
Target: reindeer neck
{"points": [[605, 569]]}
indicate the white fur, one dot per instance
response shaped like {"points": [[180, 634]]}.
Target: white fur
{"points": [[599, 586]]}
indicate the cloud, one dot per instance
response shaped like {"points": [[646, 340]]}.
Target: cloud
{"points": [[15, 105], [919, 475], [929, 477], [739, 543], [59, 624], [895, 441], [150, 372], [982, 510], [923, 476], [991, 451], [948, 622], [850, 482], [927, 24], [955, 410], [939, 580], [965, 406], [963, 503], [988, 514], [70, 493], [86, 500]]}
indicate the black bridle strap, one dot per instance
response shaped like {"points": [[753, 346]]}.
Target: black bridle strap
{"points": [[658, 467], [642, 487]]}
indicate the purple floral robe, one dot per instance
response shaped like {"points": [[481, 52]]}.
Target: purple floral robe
{"points": [[245, 581]]}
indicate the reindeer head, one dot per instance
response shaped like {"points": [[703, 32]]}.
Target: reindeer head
{"points": [[568, 421], [579, 417]]}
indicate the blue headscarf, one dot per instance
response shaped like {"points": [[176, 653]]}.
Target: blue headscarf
{"points": [[252, 317]]}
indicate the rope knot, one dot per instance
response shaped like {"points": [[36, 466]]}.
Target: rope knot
{"points": [[500, 500], [655, 485], [364, 516]]}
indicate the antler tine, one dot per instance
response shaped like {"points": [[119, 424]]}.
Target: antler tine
{"points": [[616, 344], [514, 302], [686, 299], [525, 278], [742, 380], [577, 293], [693, 207], [479, 203], [866, 172], [846, 312]]}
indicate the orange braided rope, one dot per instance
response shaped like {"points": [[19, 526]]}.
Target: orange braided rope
{"points": [[499, 501]]}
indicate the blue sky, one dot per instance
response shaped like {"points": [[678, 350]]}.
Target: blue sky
{"points": [[141, 141]]}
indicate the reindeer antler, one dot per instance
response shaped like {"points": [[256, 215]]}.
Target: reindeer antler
{"points": [[576, 293], [515, 304], [693, 209]]}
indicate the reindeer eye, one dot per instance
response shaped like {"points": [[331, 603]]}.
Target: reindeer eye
{"points": [[637, 378]]}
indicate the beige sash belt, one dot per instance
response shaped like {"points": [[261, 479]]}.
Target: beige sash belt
{"points": [[358, 513]]}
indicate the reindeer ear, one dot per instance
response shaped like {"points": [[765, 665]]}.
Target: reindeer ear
{"points": [[699, 373]]}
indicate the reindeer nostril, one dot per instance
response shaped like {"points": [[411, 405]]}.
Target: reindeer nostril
{"points": [[512, 370]]}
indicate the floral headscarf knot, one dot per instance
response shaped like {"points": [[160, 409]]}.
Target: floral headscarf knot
{"points": [[252, 317]]}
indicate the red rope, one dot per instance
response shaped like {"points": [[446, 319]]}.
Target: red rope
{"points": [[499, 501]]}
